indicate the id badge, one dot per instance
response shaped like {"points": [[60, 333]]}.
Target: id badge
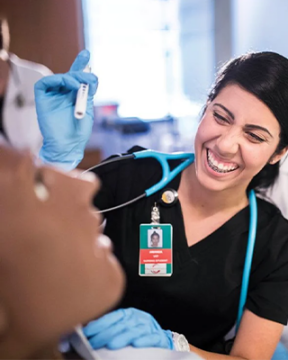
{"points": [[155, 257]]}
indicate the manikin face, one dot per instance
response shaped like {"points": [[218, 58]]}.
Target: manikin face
{"points": [[236, 138], [155, 240], [55, 271]]}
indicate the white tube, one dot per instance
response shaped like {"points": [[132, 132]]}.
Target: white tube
{"points": [[81, 99]]}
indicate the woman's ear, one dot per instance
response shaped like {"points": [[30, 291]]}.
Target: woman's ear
{"points": [[277, 157]]}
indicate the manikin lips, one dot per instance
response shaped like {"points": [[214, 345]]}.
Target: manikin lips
{"points": [[218, 166]]}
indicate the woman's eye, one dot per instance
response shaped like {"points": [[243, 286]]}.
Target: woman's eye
{"points": [[219, 118], [255, 138]]}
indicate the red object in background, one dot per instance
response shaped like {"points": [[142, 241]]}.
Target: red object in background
{"points": [[105, 111]]}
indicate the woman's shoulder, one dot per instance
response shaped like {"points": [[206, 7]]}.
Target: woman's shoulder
{"points": [[268, 210], [271, 223], [268, 294]]}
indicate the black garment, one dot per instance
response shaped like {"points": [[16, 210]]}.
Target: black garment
{"points": [[2, 130], [200, 299]]}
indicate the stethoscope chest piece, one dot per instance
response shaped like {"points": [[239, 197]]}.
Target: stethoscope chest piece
{"points": [[169, 197]]}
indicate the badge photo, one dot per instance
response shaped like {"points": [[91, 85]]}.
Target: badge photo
{"points": [[155, 254]]}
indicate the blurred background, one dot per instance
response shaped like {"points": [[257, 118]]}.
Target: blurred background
{"points": [[155, 59]]}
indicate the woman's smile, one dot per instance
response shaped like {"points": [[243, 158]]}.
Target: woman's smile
{"points": [[219, 166]]}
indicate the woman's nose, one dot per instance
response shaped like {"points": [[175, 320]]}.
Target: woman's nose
{"points": [[228, 144]]}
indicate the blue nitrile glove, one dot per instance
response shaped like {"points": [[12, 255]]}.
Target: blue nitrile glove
{"points": [[65, 137], [126, 327]]}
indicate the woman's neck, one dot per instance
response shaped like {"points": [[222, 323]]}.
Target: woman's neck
{"points": [[207, 202]]}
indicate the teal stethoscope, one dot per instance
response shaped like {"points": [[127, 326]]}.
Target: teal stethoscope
{"points": [[169, 175]]}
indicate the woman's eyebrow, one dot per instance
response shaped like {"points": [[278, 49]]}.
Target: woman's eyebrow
{"points": [[257, 127], [225, 109], [248, 126]]}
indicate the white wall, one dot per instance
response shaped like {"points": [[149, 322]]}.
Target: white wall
{"points": [[260, 25]]}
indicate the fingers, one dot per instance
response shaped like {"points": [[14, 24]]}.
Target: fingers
{"points": [[102, 338], [93, 87], [54, 82], [86, 78], [69, 81], [121, 332], [82, 59], [125, 327], [126, 338], [151, 340], [94, 327]]}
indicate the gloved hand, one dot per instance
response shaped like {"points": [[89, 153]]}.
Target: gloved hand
{"points": [[125, 327], [65, 137]]}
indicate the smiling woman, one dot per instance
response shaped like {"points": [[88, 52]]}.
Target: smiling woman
{"points": [[237, 137], [263, 75], [242, 135]]}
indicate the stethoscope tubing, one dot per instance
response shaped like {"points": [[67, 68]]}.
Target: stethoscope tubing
{"points": [[249, 255], [167, 174]]}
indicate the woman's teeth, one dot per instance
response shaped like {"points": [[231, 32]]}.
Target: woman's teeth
{"points": [[219, 167]]}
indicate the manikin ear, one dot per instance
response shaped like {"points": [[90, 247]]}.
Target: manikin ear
{"points": [[277, 157]]}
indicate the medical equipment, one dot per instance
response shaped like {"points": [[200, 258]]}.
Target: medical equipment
{"points": [[81, 99], [169, 175], [249, 256]]}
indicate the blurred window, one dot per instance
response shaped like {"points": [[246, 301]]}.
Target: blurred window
{"points": [[135, 52], [154, 58]]}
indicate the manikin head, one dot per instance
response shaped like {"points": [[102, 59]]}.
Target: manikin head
{"points": [[56, 270]]}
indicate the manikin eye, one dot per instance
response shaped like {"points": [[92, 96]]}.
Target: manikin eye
{"points": [[40, 189]]}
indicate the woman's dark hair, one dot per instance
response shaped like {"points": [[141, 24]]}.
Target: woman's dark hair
{"points": [[265, 75], [155, 233]]}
